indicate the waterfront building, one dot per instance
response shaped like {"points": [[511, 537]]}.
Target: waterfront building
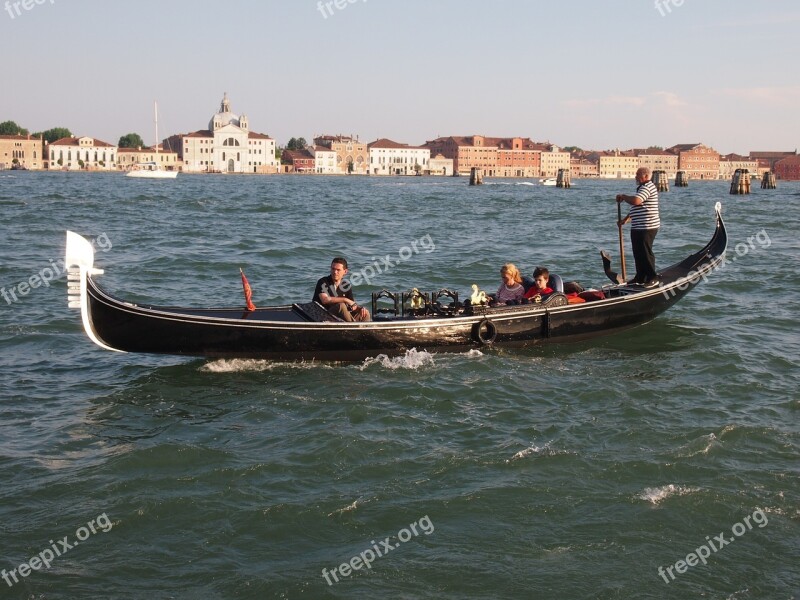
{"points": [[583, 167], [21, 151], [387, 157], [325, 161], [495, 156], [697, 160], [518, 157], [771, 157], [82, 153], [466, 152], [128, 157], [658, 160], [554, 159], [788, 168], [352, 156], [617, 164], [300, 161], [227, 146], [440, 165], [730, 162]]}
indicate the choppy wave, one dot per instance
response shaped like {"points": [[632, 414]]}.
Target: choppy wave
{"points": [[656, 495]]}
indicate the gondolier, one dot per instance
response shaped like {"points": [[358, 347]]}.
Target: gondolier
{"points": [[645, 221]]}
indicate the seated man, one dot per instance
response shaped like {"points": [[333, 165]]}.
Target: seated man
{"points": [[336, 295], [540, 287]]}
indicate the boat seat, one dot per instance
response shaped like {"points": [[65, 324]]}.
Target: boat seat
{"points": [[314, 312]]}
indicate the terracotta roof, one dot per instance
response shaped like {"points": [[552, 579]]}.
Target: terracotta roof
{"points": [[20, 138], [258, 136], [73, 141], [789, 160], [387, 143], [200, 133], [764, 154], [293, 155]]}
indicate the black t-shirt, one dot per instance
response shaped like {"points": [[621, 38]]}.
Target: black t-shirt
{"points": [[325, 286]]}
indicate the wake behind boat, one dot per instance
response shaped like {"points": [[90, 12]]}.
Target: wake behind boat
{"points": [[306, 331]]}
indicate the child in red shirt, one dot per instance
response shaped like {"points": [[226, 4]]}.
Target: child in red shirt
{"points": [[541, 277]]}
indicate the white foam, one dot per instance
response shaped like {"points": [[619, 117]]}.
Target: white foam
{"points": [[535, 450], [235, 365], [657, 495], [412, 359], [348, 508]]}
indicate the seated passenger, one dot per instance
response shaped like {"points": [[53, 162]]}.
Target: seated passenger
{"points": [[511, 289], [540, 287], [336, 295]]}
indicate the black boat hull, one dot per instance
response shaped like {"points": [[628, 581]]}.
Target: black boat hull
{"points": [[282, 333]]}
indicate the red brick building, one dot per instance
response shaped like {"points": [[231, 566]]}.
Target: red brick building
{"points": [[497, 157], [698, 160], [788, 168], [302, 161]]}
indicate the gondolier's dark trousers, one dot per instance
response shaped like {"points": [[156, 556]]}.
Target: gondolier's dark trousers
{"points": [[642, 244]]}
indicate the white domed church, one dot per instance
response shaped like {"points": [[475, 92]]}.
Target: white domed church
{"points": [[227, 146]]}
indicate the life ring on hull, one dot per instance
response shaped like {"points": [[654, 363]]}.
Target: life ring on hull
{"points": [[484, 332]]}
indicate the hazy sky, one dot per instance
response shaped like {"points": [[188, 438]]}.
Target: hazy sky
{"points": [[596, 74]]}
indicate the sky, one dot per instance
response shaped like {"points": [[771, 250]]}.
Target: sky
{"points": [[593, 74]]}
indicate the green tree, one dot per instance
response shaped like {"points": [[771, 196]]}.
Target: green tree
{"points": [[11, 128], [54, 134], [131, 140], [297, 144]]}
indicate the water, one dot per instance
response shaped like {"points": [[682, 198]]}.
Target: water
{"points": [[571, 471]]}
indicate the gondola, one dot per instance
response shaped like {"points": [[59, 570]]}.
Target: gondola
{"points": [[306, 331]]}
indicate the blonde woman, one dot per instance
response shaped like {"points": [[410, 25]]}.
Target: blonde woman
{"points": [[511, 289]]}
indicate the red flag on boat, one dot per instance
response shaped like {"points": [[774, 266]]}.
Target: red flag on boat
{"points": [[248, 293]]}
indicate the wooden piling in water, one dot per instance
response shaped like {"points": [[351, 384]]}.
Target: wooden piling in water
{"points": [[562, 180], [768, 182], [681, 180], [740, 183], [660, 181], [475, 176]]}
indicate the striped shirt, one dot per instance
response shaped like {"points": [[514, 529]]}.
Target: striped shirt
{"points": [[645, 215]]}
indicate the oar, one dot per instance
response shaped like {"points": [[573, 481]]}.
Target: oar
{"points": [[621, 243]]}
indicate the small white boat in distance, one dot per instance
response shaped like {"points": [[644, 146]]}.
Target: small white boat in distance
{"points": [[152, 170], [548, 181]]}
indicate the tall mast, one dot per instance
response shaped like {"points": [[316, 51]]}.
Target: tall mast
{"points": [[155, 113]]}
